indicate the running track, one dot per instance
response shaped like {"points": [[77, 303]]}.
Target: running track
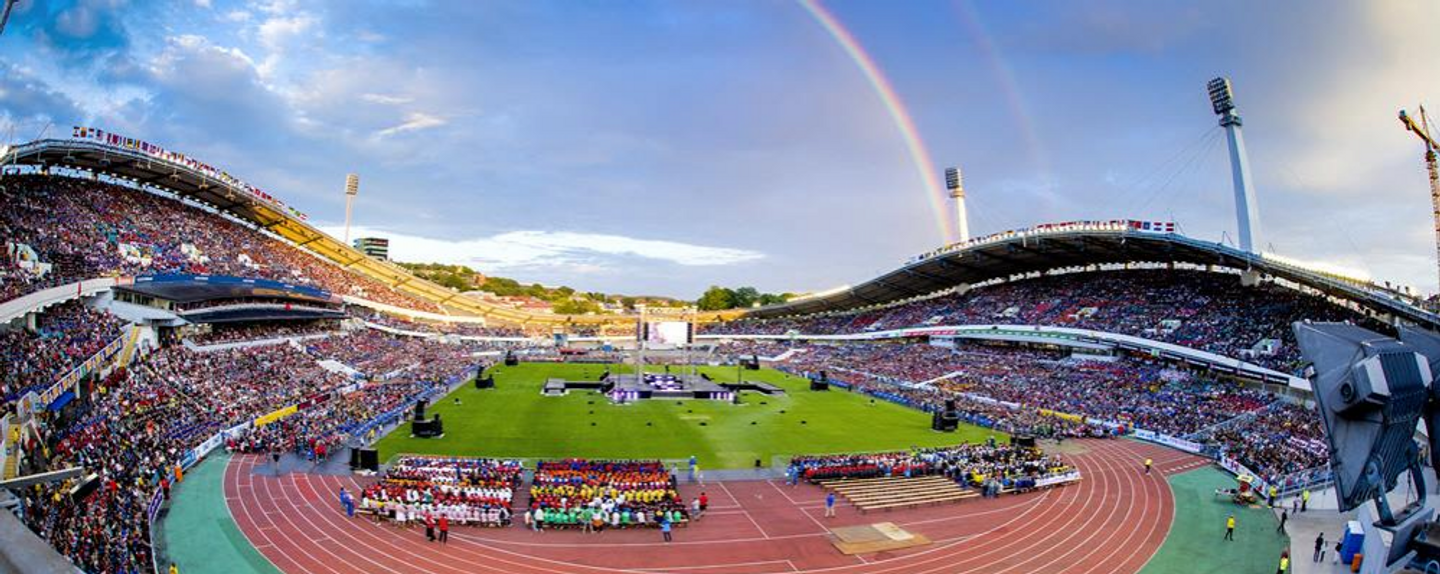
{"points": [[1112, 521]]}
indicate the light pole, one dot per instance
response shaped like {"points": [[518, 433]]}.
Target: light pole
{"points": [[1247, 212], [954, 183], [352, 188]]}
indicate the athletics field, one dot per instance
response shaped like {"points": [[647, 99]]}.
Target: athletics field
{"points": [[514, 420]]}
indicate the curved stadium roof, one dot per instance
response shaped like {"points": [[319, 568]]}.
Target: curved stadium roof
{"points": [[1007, 256], [1028, 253], [268, 214]]}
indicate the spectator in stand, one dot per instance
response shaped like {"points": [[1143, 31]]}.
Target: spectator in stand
{"points": [[1203, 310], [83, 229], [66, 335]]}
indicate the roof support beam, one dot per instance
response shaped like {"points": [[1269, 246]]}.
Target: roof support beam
{"points": [[927, 276], [911, 290]]}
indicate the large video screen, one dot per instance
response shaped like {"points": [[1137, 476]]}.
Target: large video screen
{"points": [[667, 333]]}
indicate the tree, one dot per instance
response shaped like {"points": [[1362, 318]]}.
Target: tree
{"points": [[746, 296], [717, 298], [575, 307], [773, 299]]}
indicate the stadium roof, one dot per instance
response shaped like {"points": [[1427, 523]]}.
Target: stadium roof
{"points": [[192, 288], [197, 184], [1003, 256], [1019, 254]]}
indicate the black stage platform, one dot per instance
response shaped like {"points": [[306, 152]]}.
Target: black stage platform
{"points": [[626, 388]]}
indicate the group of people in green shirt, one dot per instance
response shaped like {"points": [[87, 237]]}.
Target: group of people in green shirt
{"points": [[596, 519]]}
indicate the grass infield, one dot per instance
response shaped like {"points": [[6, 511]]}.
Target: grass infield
{"points": [[515, 421]]}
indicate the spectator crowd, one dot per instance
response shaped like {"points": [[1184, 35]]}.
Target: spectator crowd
{"points": [[1203, 310], [83, 229]]}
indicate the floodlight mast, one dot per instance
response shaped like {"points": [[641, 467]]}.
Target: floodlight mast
{"points": [[352, 188], [955, 183], [1247, 212]]}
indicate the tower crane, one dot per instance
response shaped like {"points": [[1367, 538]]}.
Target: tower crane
{"points": [[1421, 130]]}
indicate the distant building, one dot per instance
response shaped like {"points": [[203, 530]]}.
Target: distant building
{"points": [[377, 247]]}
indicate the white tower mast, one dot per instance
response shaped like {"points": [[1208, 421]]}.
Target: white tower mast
{"points": [[352, 188], [1247, 212], [957, 192]]}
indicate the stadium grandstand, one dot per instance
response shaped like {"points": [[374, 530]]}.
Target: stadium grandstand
{"points": [[162, 310], [197, 378]]}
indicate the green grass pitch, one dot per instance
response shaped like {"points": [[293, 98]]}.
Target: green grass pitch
{"points": [[515, 421]]}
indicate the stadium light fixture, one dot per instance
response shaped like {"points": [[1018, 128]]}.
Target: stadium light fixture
{"points": [[352, 188], [1222, 97]]}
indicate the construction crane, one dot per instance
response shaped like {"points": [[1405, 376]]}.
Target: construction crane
{"points": [[1421, 130]]}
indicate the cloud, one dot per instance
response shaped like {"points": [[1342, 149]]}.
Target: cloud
{"points": [[414, 121], [27, 97], [385, 99], [530, 250]]}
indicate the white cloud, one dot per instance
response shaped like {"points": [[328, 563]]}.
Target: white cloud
{"points": [[386, 99], [414, 121], [572, 251], [202, 3], [238, 16]]}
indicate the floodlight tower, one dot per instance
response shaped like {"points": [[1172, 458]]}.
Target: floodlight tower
{"points": [[957, 192], [1247, 212], [352, 188]]}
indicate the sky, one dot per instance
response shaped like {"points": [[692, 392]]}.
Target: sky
{"points": [[652, 147]]}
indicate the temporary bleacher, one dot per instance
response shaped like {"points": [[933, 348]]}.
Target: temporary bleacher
{"points": [[898, 492]]}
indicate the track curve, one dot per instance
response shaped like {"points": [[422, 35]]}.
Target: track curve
{"points": [[1112, 521]]}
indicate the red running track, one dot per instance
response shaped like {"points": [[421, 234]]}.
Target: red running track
{"points": [[1112, 521]]}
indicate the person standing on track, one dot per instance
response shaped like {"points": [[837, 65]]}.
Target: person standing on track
{"points": [[347, 503], [704, 504], [665, 529], [1284, 517], [1284, 562], [1304, 499], [429, 527], [444, 528], [830, 504], [1230, 528], [1319, 548], [1148, 463]]}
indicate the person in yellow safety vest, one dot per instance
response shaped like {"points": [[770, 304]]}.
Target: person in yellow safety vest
{"points": [[1304, 499], [1273, 492], [1230, 528], [1148, 464], [1284, 563]]}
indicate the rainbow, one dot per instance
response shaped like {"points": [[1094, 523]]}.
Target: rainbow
{"points": [[919, 154]]}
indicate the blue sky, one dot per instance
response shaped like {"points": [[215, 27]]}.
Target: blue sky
{"points": [[658, 147]]}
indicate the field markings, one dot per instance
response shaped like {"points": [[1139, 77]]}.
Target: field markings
{"points": [[763, 534]]}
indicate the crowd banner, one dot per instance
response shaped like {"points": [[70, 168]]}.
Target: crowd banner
{"points": [[1238, 469], [266, 419], [1055, 479], [1064, 416], [1170, 441], [69, 380]]}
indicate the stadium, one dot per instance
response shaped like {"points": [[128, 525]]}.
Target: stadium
{"points": [[198, 378]]}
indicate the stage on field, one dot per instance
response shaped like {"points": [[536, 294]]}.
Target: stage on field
{"points": [[623, 388]]}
